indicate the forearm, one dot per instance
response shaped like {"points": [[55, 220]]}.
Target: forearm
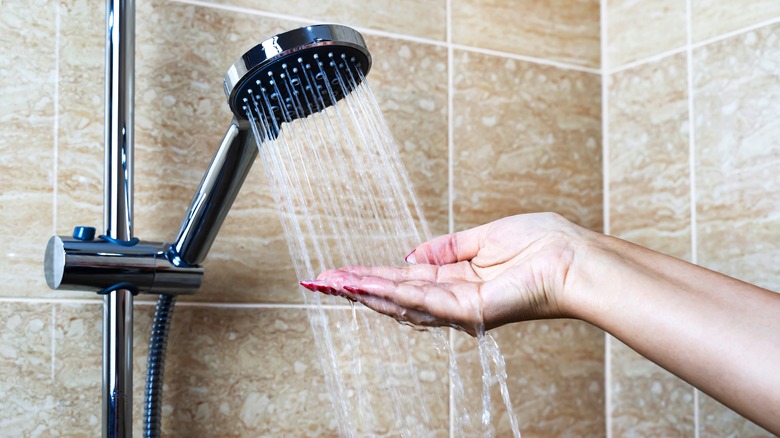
{"points": [[719, 334]]}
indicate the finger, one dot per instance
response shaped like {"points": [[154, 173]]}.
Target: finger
{"points": [[337, 278], [435, 299], [330, 282], [400, 313], [431, 273], [449, 248], [405, 315], [376, 303]]}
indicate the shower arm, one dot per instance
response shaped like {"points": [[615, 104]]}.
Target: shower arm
{"points": [[215, 195], [81, 262]]}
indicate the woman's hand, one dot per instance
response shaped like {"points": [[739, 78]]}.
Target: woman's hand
{"points": [[716, 332], [510, 270]]}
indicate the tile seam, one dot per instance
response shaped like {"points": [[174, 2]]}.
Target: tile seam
{"points": [[228, 305], [398, 36], [526, 58], [603, 26], [205, 304], [648, 60], [33, 300], [56, 123], [691, 169], [53, 335], [450, 189], [690, 45]]}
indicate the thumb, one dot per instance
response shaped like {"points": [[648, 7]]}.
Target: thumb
{"points": [[449, 248]]}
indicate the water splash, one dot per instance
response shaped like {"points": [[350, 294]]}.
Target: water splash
{"points": [[489, 352], [345, 198]]}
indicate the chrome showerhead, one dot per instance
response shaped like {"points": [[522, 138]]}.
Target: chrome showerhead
{"points": [[296, 73]]}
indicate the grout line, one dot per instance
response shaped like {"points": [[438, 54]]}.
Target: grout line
{"points": [[692, 171], [450, 189], [31, 300], [453, 413], [398, 36], [648, 60], [696, 432], [690, 45], [304, 20], [206, 304], [56, 124], [728, 35], [53, 334], [603, 27], [248, 11], [605, 136], [530, 59], [450, 138]]}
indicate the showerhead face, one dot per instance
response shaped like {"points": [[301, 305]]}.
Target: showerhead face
{"points": [[297, 73]]}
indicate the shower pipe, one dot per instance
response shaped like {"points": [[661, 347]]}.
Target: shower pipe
{"points": [[118, 265]]}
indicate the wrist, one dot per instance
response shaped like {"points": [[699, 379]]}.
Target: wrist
{"points": [[580, 296]]}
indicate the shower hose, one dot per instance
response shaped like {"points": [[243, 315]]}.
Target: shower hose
{"points": [[155, 367]]}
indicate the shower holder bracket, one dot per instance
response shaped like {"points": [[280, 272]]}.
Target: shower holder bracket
{"points": [[102, 265]]}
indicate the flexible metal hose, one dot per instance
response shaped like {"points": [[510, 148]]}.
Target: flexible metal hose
{"points": [[155, 367]]}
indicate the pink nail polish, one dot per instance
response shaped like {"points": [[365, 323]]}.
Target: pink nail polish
{"points": [[411, 258], [325, 289], [316, 287], [308, 285], [353, 289]]}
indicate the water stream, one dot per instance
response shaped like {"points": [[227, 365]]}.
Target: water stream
{"points": [[345, 198]]}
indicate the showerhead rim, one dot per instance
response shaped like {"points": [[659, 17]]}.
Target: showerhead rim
{"points": [[284, 45]]}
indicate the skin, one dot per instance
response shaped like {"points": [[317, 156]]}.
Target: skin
{"points": [[715, 332]]}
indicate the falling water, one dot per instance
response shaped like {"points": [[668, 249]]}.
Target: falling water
{"points": [[345, 198]]}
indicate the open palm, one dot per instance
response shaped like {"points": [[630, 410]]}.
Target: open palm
{"points": [[509, 270]]}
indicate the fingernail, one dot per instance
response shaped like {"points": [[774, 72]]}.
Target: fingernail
{"points": [[308, 285], [411, 258], [353, 289], [318, 287]]}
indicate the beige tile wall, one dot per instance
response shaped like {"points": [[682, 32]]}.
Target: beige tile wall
{"points": [[557, 30], [523, 104], [693, 162]]}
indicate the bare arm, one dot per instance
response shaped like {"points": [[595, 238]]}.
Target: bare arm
{"points": [[719, 334], [715, 332]]}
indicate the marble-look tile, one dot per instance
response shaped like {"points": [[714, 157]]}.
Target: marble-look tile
{"points": [[639, 29], [27, 406], [736, 88], [244, 372], [81, 107], [407, 17], [565, 31], [711, 18], [251, 371], [27, 86], [716, 420], [555, 372], [527, 139], [646, 399], [649, 183], [77, 363]]}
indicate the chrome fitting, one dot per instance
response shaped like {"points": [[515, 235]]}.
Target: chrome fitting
{"points": [[100, 265]]}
